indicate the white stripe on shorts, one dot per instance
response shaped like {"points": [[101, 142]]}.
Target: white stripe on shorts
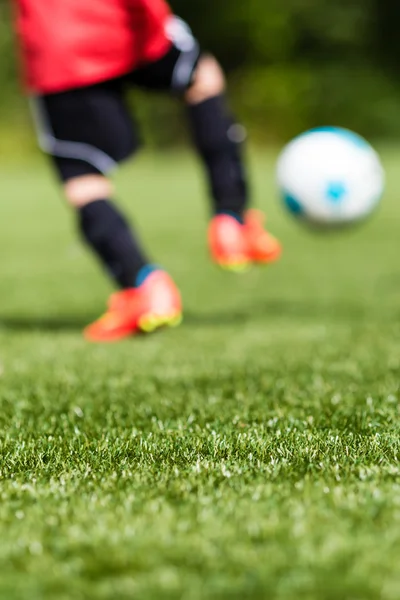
{"points": [[183, 39], [183, 70], [64, 149]]}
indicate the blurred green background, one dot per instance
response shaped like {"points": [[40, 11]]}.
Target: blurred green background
{"points": [[292, 64]]}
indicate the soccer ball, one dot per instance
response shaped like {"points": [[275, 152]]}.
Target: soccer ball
{"points": [[330, 177]]}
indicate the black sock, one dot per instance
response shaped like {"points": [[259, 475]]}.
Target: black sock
{"points": [[219, 141], [106, 231]]}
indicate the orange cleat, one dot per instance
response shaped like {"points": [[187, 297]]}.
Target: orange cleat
{"points": [[235, 247], [154, 304], [228, 244], [263, 247]]}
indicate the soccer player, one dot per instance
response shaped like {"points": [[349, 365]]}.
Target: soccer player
{"points": [[79, 57]]}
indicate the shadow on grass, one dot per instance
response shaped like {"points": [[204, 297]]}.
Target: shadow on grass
{"points": [[50, 324], [272, 309]]}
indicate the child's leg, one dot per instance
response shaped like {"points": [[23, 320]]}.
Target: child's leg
{"points": [[105, 229], [218, 138], [236, 237], [88, 131]]}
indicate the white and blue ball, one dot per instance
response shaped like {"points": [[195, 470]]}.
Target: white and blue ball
{"points": [[330, 177]]}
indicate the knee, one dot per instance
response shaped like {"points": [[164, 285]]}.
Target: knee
{"points": [[209, 81], [83, 190]]}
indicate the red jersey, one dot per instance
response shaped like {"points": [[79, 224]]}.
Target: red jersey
{"points": [[74, 43]]}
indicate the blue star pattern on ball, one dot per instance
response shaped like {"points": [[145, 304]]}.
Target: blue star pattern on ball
{"points": [[292, 204], [336, 191]]}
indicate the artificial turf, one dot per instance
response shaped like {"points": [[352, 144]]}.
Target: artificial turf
{"points": [[251, 453]]}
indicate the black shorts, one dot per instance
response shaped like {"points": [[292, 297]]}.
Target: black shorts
{"points": [[89, 130]]}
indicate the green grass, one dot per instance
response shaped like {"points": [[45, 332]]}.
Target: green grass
{"points": [[252, 453]]}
